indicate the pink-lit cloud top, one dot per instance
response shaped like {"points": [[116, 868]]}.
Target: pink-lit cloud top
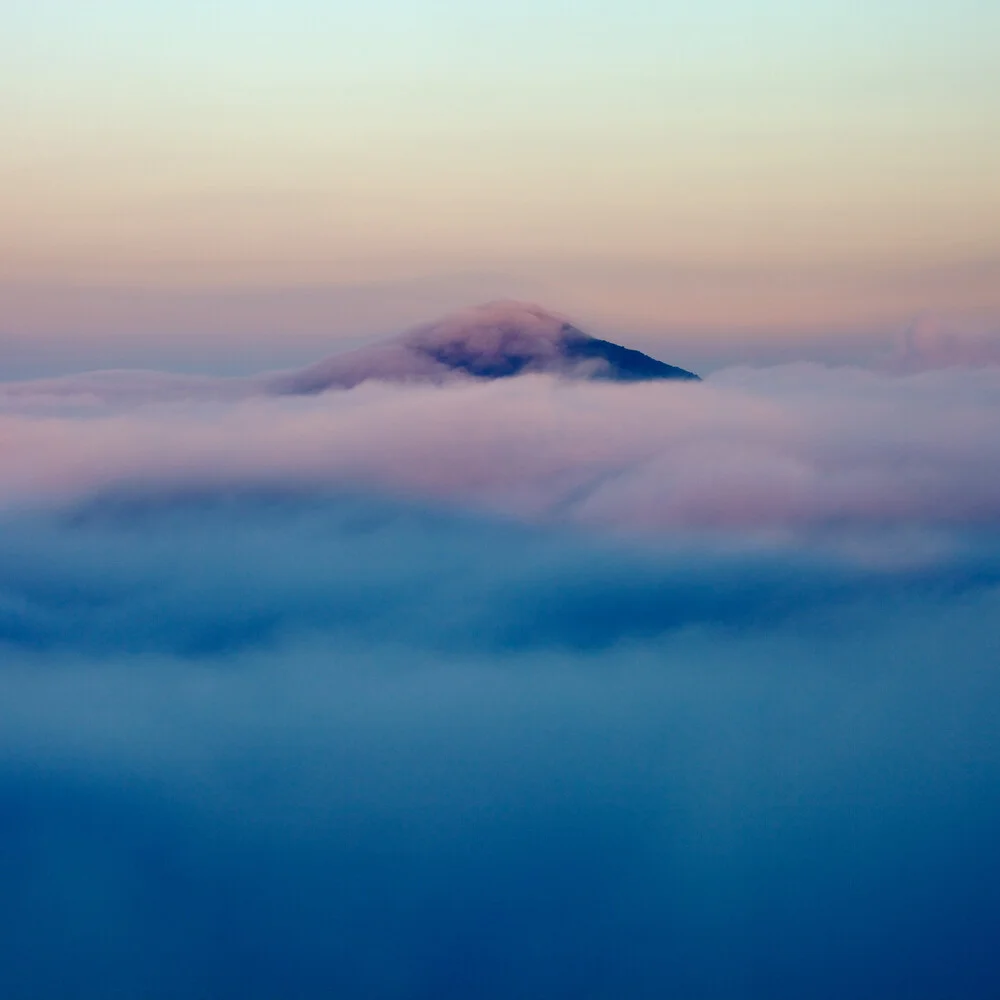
{"points": [[895, 459]]}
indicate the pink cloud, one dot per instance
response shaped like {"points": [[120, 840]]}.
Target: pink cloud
{"points": [[784, 451], [941, 341]]}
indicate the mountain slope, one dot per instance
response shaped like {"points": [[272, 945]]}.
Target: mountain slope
{"points": [[496, 340]]}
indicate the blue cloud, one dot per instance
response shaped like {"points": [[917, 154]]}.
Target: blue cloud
{"points": [[293, 744]]}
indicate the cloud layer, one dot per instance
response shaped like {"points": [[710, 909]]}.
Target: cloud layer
{"points": [[531, 688], [796, 451], [265, 744]]}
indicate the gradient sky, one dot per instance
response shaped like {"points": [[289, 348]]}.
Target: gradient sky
{"points": [[166, 168]]}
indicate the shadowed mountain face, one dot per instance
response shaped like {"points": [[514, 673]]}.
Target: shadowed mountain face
{"points": [[497, 340]]}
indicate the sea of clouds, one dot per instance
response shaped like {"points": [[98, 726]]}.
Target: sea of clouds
{"points": [[525, 688]]}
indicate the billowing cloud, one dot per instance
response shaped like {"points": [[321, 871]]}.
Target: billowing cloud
{"points": [[265, 744], [795, 450], [530, 687]]}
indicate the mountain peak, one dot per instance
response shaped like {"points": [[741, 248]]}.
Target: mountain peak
{"points": [[494, 340]]}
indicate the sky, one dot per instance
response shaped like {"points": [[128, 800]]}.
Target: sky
{"points": [[203, 179]]}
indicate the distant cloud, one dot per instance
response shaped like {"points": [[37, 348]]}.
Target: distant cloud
{"points": [[943, 341]]}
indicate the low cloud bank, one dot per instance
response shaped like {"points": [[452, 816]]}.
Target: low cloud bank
{"points": [[530, 688], [887, 468], [213, 572], [272, 744]]}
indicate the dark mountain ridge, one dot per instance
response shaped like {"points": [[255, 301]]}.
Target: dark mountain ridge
{"points": [[491, 341]]}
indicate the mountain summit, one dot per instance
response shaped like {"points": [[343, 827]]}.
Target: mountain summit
{"points": [[491, 341]]}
